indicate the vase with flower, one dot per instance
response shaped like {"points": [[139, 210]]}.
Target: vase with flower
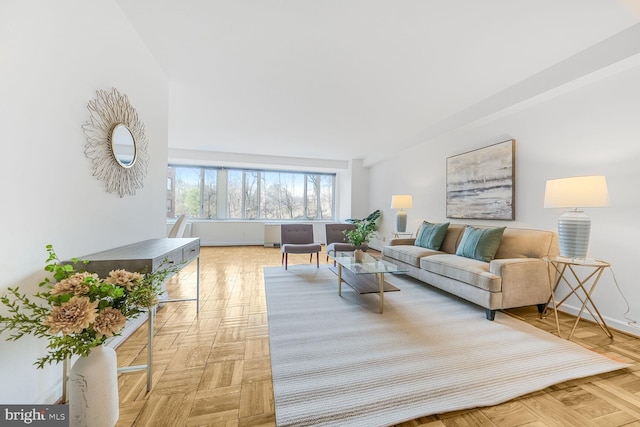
{"points": [[77, 313]]}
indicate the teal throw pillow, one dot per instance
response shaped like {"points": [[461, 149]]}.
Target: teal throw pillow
{"points": [[431, 236], [480, 243]]}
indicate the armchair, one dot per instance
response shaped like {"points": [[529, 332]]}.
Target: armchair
{"points": [[298, 239], [336, 241]]}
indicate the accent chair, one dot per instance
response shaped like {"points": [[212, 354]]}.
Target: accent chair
{"points": [[336, 241], [178, 228], [298, 239]]}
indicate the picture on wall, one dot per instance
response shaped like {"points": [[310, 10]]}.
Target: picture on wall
{"points": [[481, 183]]}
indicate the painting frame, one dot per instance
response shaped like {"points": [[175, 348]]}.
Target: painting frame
{"points": [[481, 183]]}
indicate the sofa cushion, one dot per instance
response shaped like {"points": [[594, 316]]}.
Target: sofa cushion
{"points": [[409, 254], [301, 248], [473, 272], [525, 243], [430, 235], [480, 243]]}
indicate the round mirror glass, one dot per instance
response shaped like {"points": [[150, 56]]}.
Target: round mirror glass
{"points": [[123, 145]]}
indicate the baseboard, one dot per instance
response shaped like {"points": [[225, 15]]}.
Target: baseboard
{"points": [[210, 243], [612, 323]]}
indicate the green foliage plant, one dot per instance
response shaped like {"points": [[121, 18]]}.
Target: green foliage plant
{"points": [[76, 311], [365, 228]]}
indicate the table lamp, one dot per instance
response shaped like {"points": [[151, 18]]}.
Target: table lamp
{"points": [[574, 226], [402, 202]]}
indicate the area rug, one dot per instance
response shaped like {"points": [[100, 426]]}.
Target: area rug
{"points": [[336, 361]]}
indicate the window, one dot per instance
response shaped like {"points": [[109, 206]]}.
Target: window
{"points": [[217, 193], [193, 193]]}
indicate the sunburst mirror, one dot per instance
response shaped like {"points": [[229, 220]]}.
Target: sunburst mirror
{"points": [[116, 143]]}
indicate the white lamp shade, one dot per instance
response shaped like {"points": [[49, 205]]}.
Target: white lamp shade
{"points": [[576, 192], [401, 201], [574, 226]]}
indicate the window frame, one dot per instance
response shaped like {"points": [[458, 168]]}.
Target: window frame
{"points": [[222, 193]]}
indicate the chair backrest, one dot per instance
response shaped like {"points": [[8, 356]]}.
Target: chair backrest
{"points": [[335, 232], [178, 228], [299, 234]]}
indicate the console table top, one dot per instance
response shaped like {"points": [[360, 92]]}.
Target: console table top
{"points": [[146, 249], [145, 256]]}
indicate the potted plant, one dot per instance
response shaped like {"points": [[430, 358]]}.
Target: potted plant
{"points": [[77, 312], [361, 234]]}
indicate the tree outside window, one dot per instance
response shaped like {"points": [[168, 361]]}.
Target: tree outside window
{"points": [[250, 194], [194, 192]]}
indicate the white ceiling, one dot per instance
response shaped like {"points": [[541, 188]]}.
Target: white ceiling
{"points": [[345, 79]]}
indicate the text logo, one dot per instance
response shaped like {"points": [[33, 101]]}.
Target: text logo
{"points": [[35, 415]]}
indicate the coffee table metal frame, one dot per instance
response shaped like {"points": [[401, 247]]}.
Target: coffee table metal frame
{"points": [[368, 265]]}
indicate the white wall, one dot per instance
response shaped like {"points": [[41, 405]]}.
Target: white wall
{"points": [[54, 56], [359, 202], [587, 129]]}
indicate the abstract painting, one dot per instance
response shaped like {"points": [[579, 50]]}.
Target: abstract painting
{"points": [[481, 183]]}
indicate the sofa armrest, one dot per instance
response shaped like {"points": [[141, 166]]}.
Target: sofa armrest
{"points": [[525, 281], [400, 241]]}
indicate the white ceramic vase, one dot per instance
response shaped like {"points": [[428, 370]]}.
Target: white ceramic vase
{"points": [[93, 389]]}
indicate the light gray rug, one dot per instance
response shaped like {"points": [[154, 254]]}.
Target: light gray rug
{"points": [[339, 362]]}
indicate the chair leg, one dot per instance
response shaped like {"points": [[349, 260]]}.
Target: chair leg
{"points": [[318, 259], [310, 257], [286, 261]]}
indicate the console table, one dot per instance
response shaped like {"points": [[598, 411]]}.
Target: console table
{"points": [[146, 257]]}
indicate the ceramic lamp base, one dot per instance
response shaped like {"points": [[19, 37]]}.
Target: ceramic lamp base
{"points": [[574, 228], [401, 221]]}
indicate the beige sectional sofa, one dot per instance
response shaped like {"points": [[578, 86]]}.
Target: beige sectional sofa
{"points": [[516, 277]]}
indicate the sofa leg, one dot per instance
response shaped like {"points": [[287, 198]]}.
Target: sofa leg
{"points": [[491, 314], [541, 308]]}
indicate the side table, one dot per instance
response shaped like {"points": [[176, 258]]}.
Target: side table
{"points": [[582, 288], [402, 235]]}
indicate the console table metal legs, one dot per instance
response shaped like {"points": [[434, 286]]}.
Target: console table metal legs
{"points": [[197, 298], [149, 365], [151, 318]]}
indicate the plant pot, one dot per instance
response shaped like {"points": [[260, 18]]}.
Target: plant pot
{"points": [[93, 389], [358, 254]]}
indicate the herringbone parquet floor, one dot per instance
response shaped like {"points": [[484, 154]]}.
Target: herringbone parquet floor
{"points": [[213, 368]]}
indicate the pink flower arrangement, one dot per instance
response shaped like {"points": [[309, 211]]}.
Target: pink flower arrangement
{"points": [[79, 310]]}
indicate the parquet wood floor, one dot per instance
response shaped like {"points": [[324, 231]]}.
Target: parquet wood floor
{"points": [[213, 369]]}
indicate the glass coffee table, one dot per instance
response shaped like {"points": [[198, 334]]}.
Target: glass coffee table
{"points": [[366, 276]]}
